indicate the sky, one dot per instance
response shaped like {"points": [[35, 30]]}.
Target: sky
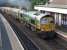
{"points": [[2, 2], [20, 3]]}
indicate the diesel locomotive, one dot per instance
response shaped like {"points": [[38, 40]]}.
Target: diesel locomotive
{"points": [[42, 23]]}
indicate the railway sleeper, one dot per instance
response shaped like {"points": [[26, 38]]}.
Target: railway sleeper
{"points": [[41, 34], [47, 35]]}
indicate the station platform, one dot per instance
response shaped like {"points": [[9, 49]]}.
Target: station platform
{"points": [[8, 38], [62, 34], [39, 43]]}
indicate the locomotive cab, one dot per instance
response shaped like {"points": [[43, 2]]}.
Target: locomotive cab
{"points": [[47, 23], [47, 27]]}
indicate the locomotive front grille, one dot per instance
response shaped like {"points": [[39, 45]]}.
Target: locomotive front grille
{"points": [[47, 27]]}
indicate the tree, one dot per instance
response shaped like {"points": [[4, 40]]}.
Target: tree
{"points": [[37, 2]]}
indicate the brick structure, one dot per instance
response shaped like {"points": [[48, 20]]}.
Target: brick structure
{"points": [[62, 2]]}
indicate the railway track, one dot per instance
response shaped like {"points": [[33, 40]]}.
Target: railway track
{"points": [[30, 40]]}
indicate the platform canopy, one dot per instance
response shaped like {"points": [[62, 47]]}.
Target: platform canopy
{"points": [[51, 9], [58, 6]]}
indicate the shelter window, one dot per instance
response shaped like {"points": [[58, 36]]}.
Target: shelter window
{"points": [[64, 20], [63, 26]]}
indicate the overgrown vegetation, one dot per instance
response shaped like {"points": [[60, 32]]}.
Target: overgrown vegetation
{"points": [[37, 2]]}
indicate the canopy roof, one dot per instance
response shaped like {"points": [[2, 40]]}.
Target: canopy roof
{"points": [[51, 9]]}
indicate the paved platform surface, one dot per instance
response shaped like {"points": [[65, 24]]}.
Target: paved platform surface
{"points": [[8, 39], [61, 34]]}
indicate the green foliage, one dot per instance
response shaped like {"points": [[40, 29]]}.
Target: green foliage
{"points": [[37, 2]]}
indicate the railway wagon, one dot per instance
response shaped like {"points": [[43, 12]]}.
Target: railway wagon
{"points": [[39, 22], [11, 11]]}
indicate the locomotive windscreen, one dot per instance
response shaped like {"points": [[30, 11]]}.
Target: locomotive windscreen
{"points": [[44, 21]]}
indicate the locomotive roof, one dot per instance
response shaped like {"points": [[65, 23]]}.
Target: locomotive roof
{"points": [[35, 14], [11, 9]]}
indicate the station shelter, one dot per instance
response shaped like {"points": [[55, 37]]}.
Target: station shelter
{"points": [[59, 12]]}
